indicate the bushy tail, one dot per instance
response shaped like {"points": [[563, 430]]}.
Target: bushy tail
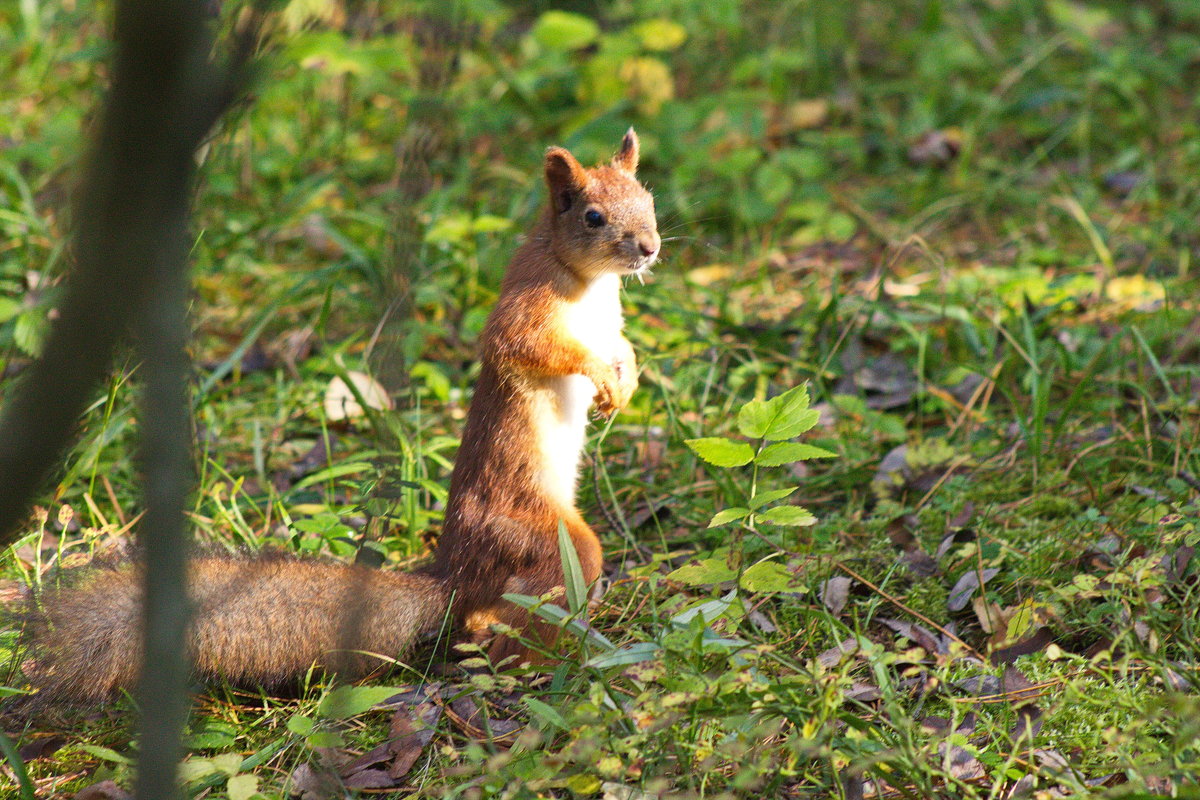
{"points": [[258, 620]]}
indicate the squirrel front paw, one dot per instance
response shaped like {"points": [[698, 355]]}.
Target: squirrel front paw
{"points": [[611, 396], [615, 387], [627, 375]]}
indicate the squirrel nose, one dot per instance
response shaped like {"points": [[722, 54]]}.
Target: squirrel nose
{"points": [[648, 243]]}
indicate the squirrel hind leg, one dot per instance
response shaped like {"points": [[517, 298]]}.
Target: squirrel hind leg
{"points": [[546, 579]]}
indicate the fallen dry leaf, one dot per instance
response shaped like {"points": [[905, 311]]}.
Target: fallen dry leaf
{"points": [[835, 593], [41, 747], [467, 713], [900, 532], [413, 727], [918, 635], [936, 148], [836, 654], [315, 783], [967, 585], [342, 404], [619, 791], [1040, 639]]}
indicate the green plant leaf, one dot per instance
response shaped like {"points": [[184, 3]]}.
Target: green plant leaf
{"points": [[196, 769], [213, 735], [721, 452], [9, 308], [300, 724], [660, 34], [709, 610], [17, 765], [727, 516], [765, 577], [348, 701], [774, 455], [325, 738], [572, 571], [762, 498], [781, 417], [242, 787], [704, 573], [228, 764], [754, 418], [630, 654], [106, 754], [788, 515], [793, 415], [562, 30], [546, 712], [29, 331], [557, 616]]}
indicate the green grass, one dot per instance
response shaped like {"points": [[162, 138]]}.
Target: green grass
{"points": [[1021, 317]]}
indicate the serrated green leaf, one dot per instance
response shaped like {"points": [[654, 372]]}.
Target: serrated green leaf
{"points": [[794, 416], [347, 701], [562, 30], [755, 417], [727, 516], [788, 515], [704, 573], [762, 498], [774, 455], [766, 576], [721, 452], [781, 417], [796, 425]]}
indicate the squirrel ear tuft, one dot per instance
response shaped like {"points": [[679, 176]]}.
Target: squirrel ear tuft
{"points": [[565, 177], [627, 157]]}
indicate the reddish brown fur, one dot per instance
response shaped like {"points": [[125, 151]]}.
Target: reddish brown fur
{"points": [[501, 527], [264, 620], [260, 620]]}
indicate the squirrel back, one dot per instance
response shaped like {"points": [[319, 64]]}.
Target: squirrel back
{"points": [[552, 347]]}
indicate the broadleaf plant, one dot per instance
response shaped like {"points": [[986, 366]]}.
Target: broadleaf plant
{"points": [[769, 422]]}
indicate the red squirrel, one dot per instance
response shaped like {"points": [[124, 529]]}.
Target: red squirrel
{"points": [[551, 349]]}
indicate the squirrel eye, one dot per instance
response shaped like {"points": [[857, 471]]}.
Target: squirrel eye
{"points": [[593, 218]]}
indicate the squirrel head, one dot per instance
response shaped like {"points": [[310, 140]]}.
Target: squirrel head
{"points": [[601, 219]]}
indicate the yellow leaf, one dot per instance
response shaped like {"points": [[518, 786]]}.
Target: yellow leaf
{"points": [[706, 275], [649, 82], [1135, 291], [806, 114], [660, 34]]}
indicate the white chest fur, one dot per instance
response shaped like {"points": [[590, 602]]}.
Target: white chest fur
{"points": [[595, 321]]}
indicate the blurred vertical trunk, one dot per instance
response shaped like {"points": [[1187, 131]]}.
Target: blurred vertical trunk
{"points": [[429, 130], [130, 247]]}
